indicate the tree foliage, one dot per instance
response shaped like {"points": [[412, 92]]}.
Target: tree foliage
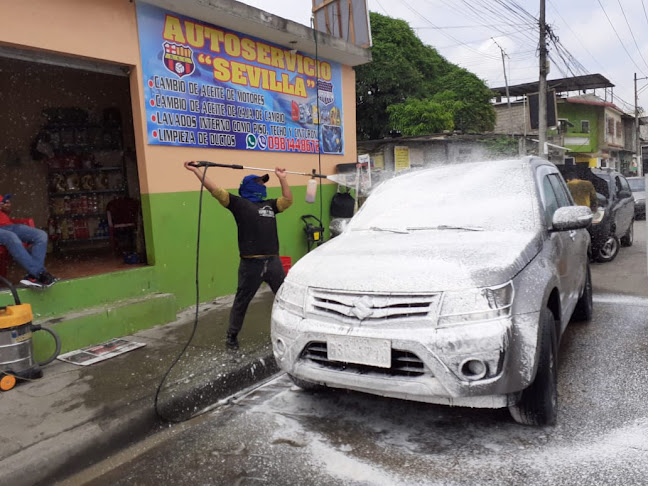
{"points": [[409, 87]]}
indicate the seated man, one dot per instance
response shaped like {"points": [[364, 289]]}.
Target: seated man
{"points": [[12, 236]]}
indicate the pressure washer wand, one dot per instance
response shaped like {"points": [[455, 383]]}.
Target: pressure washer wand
{"points": [[203, 163]]}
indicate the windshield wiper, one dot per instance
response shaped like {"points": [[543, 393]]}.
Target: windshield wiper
{"points": [[445, 227], [391, 230]]}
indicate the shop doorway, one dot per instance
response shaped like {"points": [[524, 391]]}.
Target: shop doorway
{"points": [[67, 154]]}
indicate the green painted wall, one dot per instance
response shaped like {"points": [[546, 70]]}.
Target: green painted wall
{"points": [[174, 226], [90, 310], [171, 245], [575, 113]]}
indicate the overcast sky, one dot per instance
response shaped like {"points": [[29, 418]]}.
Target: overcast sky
{"points": [[609, 37]]}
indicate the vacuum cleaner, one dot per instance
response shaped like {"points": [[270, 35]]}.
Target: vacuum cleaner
{"points": [[16, 350]]}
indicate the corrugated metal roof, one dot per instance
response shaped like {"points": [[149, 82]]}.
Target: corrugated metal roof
{"points": [[576, 83]]}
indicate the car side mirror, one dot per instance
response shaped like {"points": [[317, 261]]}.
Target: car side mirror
{"points": [[571, 218], [624, 193], [602, 200]]}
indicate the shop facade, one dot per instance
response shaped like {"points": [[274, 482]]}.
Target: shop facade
{"points": [[102, 104]]}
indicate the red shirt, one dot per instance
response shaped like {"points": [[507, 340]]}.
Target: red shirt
{"points": [[5, 219]]}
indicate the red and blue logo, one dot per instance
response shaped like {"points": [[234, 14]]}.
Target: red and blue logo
{"points": [[178, 59]]}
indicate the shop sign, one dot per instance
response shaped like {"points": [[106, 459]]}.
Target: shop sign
{"points": [[210, 87]]}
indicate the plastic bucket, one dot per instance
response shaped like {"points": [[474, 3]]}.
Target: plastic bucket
{"points": [[286, 261]]}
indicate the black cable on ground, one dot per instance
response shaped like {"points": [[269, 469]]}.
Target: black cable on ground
{"points": [[195, 325]]}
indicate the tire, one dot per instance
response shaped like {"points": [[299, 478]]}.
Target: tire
{"points": [[584, 306], [306, 385], [538, 404], [609, 250], [628, 238]]}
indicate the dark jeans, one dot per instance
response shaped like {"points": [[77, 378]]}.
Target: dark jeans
{"points": [[13, 236], [251, 273]]}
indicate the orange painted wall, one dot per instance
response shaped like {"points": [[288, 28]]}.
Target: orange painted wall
{"points": [[104, 29]]}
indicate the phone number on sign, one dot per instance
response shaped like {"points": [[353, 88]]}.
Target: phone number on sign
{"points": [[293, 144]]}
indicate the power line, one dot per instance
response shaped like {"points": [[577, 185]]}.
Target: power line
{"points": [[576, 35], [632, 33], [412, 9], [618, 37]]}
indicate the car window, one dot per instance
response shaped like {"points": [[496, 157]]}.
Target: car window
{"points": [[617, 183], [624, 184], [562, 196], [637, 185], [550, 200]]}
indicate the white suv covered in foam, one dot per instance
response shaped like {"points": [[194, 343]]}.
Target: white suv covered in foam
{"points": [[451, 285]]}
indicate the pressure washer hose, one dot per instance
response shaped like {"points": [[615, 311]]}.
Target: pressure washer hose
{"points": [[195, 324], [57, 343]]}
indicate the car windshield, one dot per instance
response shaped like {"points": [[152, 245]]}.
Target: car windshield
{"points": [[464, 197], [637, 185]]}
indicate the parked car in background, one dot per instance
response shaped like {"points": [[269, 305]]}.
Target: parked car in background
{"points": [[451, 285], [638, 187], [612, 225]]}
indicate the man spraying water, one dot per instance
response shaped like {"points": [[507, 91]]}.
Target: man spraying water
{"points": [[258, 240]]}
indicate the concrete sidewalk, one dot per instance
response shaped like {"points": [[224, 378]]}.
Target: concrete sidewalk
{"points": [[75, 415]]}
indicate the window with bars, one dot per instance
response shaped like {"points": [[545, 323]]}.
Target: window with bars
{"points": [[585, 126]]}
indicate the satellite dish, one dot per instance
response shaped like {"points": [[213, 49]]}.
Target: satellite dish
{"points": [[346, 19]]}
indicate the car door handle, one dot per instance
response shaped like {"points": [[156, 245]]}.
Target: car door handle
{"points": [[572, 235]]}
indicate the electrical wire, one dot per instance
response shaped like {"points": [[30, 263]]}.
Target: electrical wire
{"points": [[631, 33], [618, 37], [195, 324], [416, 12]]}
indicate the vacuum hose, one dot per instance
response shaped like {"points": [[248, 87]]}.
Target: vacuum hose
{"points": [[57, 343]]}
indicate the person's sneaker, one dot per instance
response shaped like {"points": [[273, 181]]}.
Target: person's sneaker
{"points": [[31, 281], [231, 341], [47, 279]]}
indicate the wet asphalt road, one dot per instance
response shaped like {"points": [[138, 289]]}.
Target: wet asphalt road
{"points": [[280, 435]]}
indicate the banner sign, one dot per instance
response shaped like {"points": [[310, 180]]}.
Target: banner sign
{"points": [[210, 87]]}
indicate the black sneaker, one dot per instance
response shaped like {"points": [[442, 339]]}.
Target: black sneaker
{"points": [[47, 279], [31, 281], [231, 342]]}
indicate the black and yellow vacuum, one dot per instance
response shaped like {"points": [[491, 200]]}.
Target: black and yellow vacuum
{"points": [[16, 350]]}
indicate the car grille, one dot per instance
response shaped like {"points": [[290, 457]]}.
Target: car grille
{"points": [[355, 307], [403, 363]]}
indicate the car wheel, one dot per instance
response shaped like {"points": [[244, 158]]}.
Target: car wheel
{"points": [[538, 403], [609, 250], [584, 306], [306, 385], [627, 239]]}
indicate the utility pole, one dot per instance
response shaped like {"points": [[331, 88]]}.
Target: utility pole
{"points": [[542, 86], [508, 98], [637, 135]]}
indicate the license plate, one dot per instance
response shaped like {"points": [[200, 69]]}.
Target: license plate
{"points": [[359, 350]]}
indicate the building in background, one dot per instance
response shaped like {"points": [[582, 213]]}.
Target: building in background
{"points": [[587, 128]]}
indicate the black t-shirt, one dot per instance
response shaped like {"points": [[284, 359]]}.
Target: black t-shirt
{"points": [[257, 225]]}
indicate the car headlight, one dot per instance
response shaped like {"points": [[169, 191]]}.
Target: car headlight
{"points": [[292, 297], [476, 304], [597, 217]]}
